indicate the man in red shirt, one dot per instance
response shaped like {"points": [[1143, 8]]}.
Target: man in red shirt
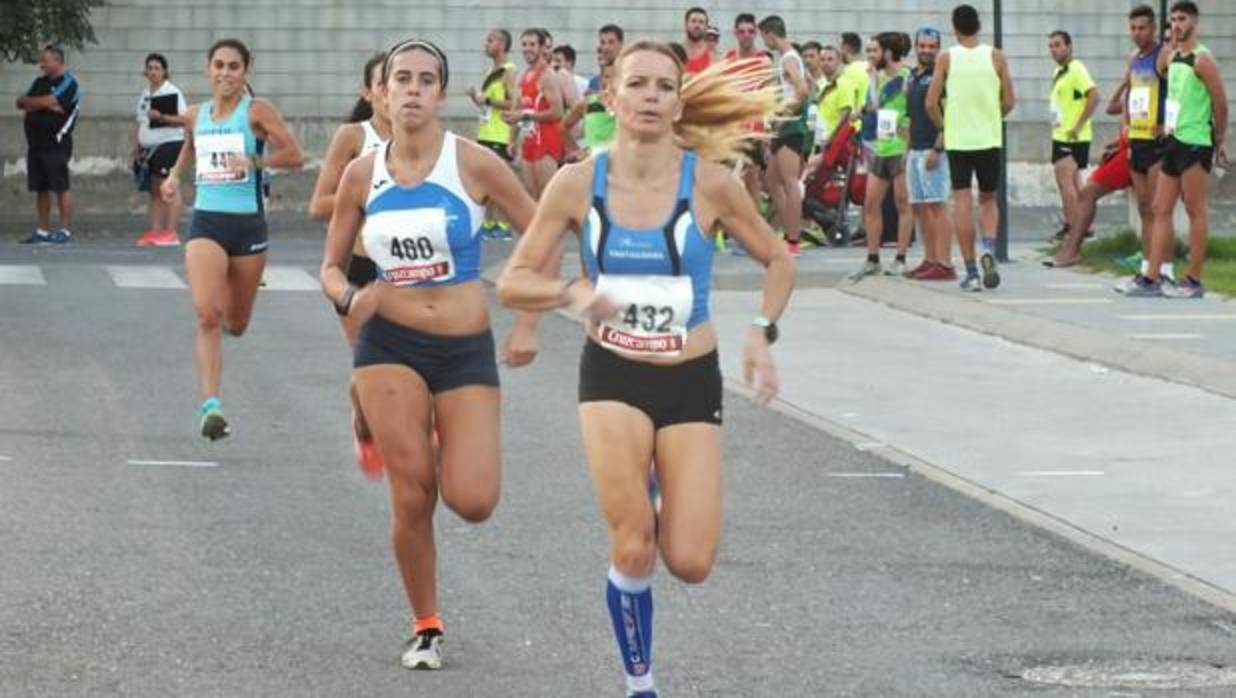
{"points": [[699, 51]]}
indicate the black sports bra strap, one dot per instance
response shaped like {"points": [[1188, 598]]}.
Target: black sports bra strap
{"points": [[598, 205], [671, 245]]}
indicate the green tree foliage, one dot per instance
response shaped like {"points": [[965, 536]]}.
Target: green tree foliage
{"points": [[27, 25]]}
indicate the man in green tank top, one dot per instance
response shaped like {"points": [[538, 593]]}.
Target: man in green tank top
{"points": [[887, 103], [1195, 124], [1072, 99], [974, 79]]}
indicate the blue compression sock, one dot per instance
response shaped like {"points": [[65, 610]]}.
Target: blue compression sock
{"points": [[630, 608]]}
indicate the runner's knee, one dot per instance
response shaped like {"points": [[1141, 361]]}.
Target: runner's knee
{"points": [[633, 548]]}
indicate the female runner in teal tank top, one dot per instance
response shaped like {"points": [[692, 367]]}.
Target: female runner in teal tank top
{"points": [[227, 237]]}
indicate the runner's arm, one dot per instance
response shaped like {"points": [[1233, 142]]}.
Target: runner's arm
{"points": [[285, 153], [553, 95], [1092, 103], [343, 148], [575, 114], [935, 105], [45, 103], [187, 151], [345, 222], [512, 89], [522, 284], [1008, 100], [1116, 105], [1208, 71], [799, 85]]}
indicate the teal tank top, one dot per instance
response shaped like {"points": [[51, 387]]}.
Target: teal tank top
{"points": [[218, 144]]}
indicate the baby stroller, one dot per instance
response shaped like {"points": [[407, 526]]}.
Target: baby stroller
{"points": [[840, 180]]}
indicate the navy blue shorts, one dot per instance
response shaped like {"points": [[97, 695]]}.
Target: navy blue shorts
{"points": [[444, 362], [239, 234]]}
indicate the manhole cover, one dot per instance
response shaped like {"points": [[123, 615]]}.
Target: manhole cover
{"points": [[1133, 674]]}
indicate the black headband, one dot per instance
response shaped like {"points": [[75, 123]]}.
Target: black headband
{"points": [[408, 45]]}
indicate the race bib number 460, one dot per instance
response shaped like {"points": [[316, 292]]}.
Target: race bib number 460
{"points": [[217, 158], [410, 246], [652, 316]]}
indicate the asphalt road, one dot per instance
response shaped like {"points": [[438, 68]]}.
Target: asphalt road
{"points": [[271, 574]]}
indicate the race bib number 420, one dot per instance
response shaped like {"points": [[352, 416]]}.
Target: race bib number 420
{"points": [[652, 316], [410, 246], [217, 158]]}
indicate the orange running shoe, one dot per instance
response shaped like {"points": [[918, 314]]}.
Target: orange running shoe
{"points": [[164, 238], [147, 239]]}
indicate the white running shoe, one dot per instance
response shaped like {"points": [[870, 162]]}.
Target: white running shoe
{"points": [[424, 651]]}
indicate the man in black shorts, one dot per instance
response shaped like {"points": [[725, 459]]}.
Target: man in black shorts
{"points": [[51, 113]]}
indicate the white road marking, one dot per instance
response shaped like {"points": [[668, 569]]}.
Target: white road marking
{"points": [[856, 476], [868, 445], [1050, 301], [1062, 473], [1168, 336], [21, 275], [5, 458], [1073, 286], [144, 277], [1177, 317], [289, 279], [177, 463]]}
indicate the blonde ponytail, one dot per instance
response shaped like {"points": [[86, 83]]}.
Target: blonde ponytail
{"points": [[720, 103]]}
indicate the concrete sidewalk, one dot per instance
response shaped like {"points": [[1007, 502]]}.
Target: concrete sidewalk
{"points": [[1066, 424], [1192, 342]]}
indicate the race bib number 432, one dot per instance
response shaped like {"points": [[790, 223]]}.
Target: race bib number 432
{"points": [[652, 316], [410, 246]]}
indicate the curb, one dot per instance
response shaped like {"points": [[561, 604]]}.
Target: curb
{"points": [[1130, 355]]}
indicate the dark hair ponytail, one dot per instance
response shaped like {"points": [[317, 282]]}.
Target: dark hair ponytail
{"points": [[363, 109]]}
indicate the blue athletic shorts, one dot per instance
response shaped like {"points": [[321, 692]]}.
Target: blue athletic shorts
{"points": [[927, 186]]}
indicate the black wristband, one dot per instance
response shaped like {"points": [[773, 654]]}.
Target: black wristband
{"points": [[344, 304]]}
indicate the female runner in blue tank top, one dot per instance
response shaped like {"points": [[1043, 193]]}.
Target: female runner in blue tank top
{"points": [[425, 354], [650, 386], [227, 236]]}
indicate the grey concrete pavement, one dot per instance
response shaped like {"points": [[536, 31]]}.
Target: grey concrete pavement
{"points": [[841, 574]]}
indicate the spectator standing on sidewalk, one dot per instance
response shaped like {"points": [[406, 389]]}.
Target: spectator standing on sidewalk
{"points": [[51, 113], [158, 136]]}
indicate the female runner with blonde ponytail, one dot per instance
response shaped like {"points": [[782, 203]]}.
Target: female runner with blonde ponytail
{"points": [[650, 383]]}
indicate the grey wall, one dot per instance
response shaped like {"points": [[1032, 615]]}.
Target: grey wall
{"points": [[308, 53]]}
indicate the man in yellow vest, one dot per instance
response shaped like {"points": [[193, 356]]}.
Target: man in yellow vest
{"points": [[494, 99]]}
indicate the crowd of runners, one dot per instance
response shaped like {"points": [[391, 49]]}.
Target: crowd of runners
{"points": [[662, 158]]}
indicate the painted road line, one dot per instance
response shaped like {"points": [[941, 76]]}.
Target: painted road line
{"points": [[1073, 286], [289, 279], [1168, 336], [1062, 473], [868, 445], [856, 476], [1178, 317], [177, 463], [144, 277], [1050, 301], [5, 458], [21, 275]]}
